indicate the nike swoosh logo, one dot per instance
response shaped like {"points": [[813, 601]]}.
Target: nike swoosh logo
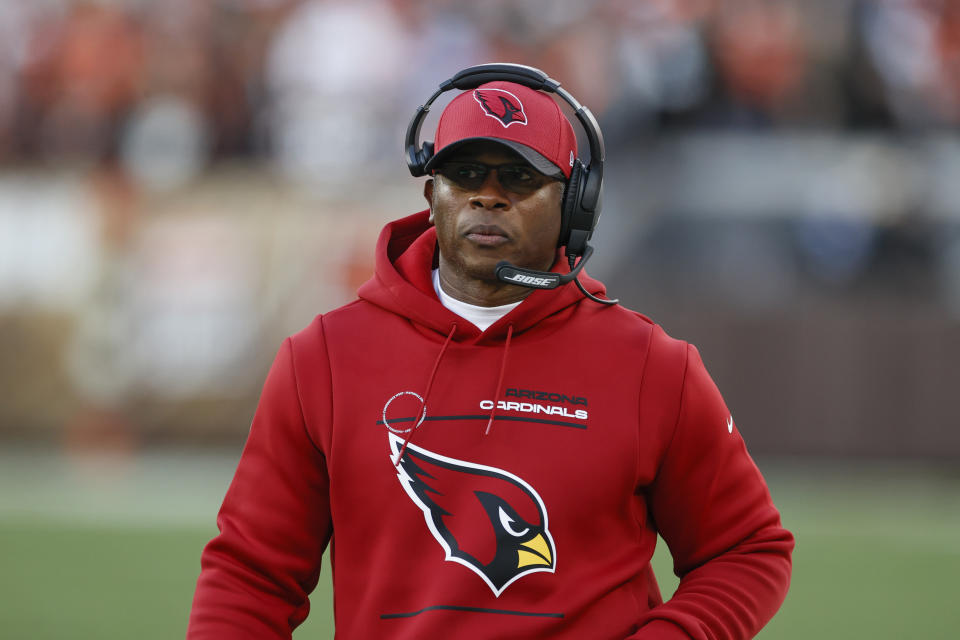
{"points": [[730, 424]]}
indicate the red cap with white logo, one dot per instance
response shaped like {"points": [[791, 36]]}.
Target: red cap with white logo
{"points": [[529, 122]]}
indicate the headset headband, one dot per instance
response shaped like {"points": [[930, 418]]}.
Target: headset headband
{"points": [[473, 77]]}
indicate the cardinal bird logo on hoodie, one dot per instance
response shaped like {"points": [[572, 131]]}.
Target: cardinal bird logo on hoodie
{"points": [[486, 519]]}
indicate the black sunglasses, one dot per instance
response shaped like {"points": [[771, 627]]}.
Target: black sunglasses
{"points": [[516, 178]]}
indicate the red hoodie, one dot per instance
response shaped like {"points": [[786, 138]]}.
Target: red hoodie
{"points": [[500, 484]]}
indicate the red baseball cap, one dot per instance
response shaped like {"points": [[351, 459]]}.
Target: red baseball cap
{"points": [[527, 121]]}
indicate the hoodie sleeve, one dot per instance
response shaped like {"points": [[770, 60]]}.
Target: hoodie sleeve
{"points": [[712, 507], [274, 523]]}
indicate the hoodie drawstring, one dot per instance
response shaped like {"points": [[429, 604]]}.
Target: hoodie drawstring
{"points": [[503, 369], [426, 393]]}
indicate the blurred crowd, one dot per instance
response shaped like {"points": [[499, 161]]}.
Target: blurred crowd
{"points": [[317, 85], [185, 182]]}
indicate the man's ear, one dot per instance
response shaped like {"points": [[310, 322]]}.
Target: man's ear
{"points": [[428, 195]]}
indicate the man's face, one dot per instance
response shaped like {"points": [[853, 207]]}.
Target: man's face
{"points": [[512, 214]]}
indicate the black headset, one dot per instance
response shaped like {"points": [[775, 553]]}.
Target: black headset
{"points": [[581, 197]]}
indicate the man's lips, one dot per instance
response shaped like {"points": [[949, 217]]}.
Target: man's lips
{"points": [[487, 235]]}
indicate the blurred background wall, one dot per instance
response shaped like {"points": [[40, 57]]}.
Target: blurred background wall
{"points": [[184, 183]]}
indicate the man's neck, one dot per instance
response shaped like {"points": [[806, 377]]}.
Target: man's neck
{"points": [[482, 293]]}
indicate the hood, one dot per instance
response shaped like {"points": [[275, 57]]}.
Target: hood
{"points": [[406, 255]]}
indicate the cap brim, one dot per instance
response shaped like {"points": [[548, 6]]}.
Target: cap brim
{"points": [[536, 160]]}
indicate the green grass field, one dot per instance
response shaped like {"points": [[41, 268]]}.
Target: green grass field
{"points": [[104, 550]]}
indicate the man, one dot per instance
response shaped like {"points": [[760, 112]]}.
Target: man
{"points": [[490, 460]]}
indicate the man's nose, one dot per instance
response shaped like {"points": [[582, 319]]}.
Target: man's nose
{"points": [[490, 194]]}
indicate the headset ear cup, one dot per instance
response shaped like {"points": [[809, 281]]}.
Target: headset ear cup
{"points": [[417, 159], [426, 152], [571, 202]]}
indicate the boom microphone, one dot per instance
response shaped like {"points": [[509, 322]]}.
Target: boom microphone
{"points": [[534, 279]]}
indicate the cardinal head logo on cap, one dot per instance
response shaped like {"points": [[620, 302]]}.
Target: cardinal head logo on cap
{"points": [[501, 105]]}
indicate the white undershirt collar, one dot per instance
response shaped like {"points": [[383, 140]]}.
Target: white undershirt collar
{"points": [[482, 317]]}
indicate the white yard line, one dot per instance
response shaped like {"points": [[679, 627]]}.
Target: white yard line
{"points": [[160, 489], [149, 490]]}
